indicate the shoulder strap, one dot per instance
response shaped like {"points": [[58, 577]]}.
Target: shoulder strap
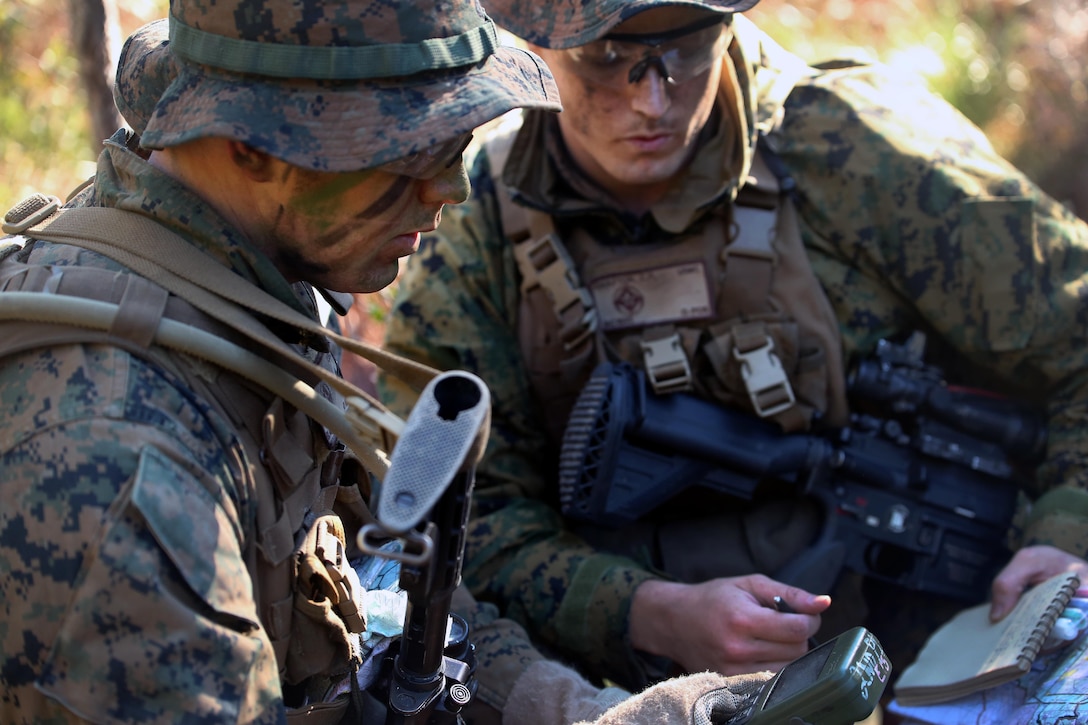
{"points": [[184, 270], [191, 274], [542, 258], [369, 433]]}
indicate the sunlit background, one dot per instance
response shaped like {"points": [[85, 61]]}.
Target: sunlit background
{"points": [[1015, 67]]}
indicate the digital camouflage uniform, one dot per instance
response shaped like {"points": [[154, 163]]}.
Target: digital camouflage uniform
{"points": [[911, 221], [128, 511]]}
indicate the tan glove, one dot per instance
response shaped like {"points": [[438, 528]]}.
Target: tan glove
{"points": [[550, 694], [673, 701], [518, 684]]}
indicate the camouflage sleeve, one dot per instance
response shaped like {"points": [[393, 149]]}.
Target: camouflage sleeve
{"points": [[126, 593], [456, 307], [913, 221]]}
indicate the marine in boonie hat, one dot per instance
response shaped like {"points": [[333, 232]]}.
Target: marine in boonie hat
{"points": [[341, 86], [561, 24]]}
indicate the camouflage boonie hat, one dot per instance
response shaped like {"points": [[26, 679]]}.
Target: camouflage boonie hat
{"points": [[144, 69], [339, 86], [561, 24]]}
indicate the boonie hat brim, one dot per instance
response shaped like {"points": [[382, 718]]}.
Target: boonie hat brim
{"points": [[349, 118], [145, 68], [347, 125], [561, 24]]}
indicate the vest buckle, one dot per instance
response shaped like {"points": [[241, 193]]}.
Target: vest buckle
{"points": [[666, 364], [346, 588], [768, 386], [29, 212], [546, 262]]}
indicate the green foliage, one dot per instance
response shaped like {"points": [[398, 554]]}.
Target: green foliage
{"points": [[42, 121], [938, 39], [45, 142], [1010, 66]]}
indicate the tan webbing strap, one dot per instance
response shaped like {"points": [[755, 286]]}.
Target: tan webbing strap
{"points": [[142, 306], [85, 321], [545, 263], [25, 338], [750, 258], [750, 264], [498, 144], [275, 524], [93, 283], [281, 450], [154, 252], [167, 252], [39, 279]]}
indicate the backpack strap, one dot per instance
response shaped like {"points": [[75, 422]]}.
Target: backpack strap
{"points": [[69, 320], [751, 261], [172, 263], [547, 270], [181, 268]]}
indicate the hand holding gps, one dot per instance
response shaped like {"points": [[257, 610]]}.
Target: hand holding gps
{"points": [[838, 683]]}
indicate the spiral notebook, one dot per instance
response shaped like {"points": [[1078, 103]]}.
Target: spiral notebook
{"points": [[969, 653]]}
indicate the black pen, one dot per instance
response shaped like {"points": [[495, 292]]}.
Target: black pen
{"points": [[783, 606]]}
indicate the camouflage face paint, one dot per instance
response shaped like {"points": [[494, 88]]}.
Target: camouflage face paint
{"points": [[353, 228]]}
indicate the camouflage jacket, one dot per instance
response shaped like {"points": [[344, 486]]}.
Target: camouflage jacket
{"points": [[129, 510], [911, 221]]}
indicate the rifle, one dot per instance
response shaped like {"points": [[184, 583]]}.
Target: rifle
{"points": [[424, 502], [921, 494]]}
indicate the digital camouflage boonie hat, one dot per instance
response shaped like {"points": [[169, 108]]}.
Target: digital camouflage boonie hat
{"points": [[339, 86], [563, 24], [145, 68]]}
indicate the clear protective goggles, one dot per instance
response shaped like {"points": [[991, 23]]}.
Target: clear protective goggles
{"points": [[678, 55], [429, 162]]}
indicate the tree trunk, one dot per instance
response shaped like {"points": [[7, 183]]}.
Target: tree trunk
{"points": [[96, 32]]}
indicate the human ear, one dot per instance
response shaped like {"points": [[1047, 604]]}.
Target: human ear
{"points": [[255, 164]]}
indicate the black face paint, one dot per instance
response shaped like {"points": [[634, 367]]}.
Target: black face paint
{"points": [[301, 267], [386, 201]]}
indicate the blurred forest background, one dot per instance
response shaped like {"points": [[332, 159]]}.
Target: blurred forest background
{"points": [[1015, 67]]}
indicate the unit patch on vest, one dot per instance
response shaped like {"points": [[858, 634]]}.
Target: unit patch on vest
{"points": [[654, 296]]}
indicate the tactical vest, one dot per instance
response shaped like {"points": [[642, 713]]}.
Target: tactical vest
{"points": [[310, 491], [730, 310]]}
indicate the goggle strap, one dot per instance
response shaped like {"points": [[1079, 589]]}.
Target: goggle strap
{"points": [[658, 39]]}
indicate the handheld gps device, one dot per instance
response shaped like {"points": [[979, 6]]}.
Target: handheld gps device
{"points": [[837, 683]]}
